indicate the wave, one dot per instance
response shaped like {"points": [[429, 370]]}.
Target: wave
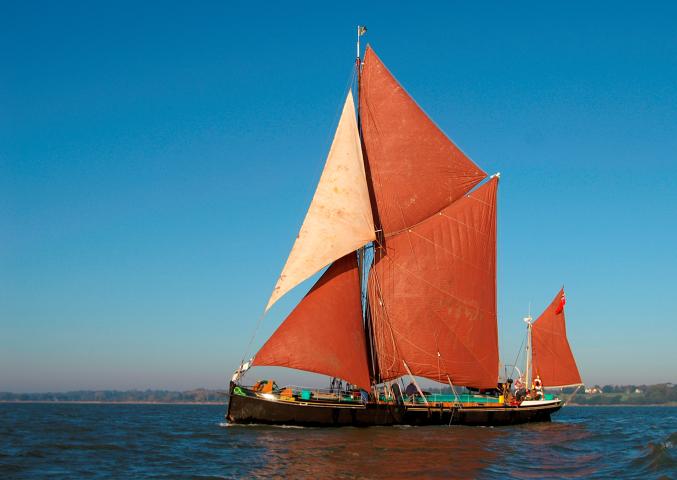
{"points": [[258, 425], [658, 457]]}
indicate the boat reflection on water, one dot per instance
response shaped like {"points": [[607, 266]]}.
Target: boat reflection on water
{"points": [[381, 452], [529, 451]]}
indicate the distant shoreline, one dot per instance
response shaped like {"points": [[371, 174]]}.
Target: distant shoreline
{"points": [[92, 402], [668, 404]]}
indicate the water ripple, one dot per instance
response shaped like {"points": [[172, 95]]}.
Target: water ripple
{"points": [[170, 441]]}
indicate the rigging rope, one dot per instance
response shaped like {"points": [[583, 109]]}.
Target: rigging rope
{"points": [[519, 352]]}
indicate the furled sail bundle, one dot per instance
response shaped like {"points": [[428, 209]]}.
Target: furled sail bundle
{"points": [[339, 219], [553, 360], [324, 333]]}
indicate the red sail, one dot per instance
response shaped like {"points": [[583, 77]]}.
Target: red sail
{"points": [[415, 170], [552, 357], [324, 333], [433, 295]]}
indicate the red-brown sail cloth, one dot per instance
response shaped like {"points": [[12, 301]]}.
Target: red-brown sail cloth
{"points": [[414, 168], [553, 360], [433, 295], [324, 333]]}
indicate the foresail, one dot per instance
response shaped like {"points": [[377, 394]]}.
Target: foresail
{"points": [[324, 333], [553, 359], [432, 293], [339, 219], [414, 169]]}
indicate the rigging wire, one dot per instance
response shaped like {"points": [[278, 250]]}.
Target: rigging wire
{"points": [[519, 353]]}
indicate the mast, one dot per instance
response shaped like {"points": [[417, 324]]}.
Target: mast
{"points": [[360, 251], [364, 260], [358, 47], [361, 30], [528, 321]]}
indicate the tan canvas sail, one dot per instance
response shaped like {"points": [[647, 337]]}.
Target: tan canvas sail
{"points": [[339, 219]]}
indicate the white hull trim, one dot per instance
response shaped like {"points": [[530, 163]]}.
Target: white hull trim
{"points": [[538, 403]]}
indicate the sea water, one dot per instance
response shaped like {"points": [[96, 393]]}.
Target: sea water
{"points": [[193, 441]]}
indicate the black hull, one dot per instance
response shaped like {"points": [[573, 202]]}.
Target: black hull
{"points": [[256, 410]]}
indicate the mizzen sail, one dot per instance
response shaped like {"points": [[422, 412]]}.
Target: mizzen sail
{"points": [[553, 360], [339, 219], [432, 293], [415, 170], [324, 333]]}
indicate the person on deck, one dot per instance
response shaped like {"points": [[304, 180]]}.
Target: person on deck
{"points": [[411, 390], [520, 390], [506, 392], [538, 388]]}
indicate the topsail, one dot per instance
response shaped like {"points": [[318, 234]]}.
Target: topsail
{"points": [[415, 170]]}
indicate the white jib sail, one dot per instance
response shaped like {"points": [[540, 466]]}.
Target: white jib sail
{"points": [[339, 219]]}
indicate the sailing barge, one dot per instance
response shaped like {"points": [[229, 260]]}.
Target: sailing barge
{"points": [[406, 224]]}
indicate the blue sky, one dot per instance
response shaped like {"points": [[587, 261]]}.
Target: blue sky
{"points": [[156, 162]]}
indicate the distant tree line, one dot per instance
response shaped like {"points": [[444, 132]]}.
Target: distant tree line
{"points": [[199, 395], [662, 393]]}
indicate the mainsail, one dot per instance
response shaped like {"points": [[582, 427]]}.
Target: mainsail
{"points": [[339, 219], [432, 290], [433, 295], [553, 360], [324, 333], [415, 170]]}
